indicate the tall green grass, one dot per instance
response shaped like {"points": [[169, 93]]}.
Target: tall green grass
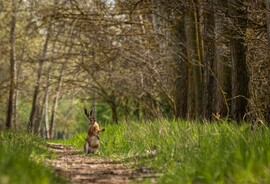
{"points": [[191, 152], [21, 160]]}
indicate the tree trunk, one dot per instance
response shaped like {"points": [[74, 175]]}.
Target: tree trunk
{"points": [[181, 72], [45, 102], [12, 87], [209, 60], [136, 111], [195, 75], [46, 114], [197, 67], [39, 118], [126, 109], [114, 112], [240, 77], [55, 101], [222, 107], [267, 5], [38, 81]]}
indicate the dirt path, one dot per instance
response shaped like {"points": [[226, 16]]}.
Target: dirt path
{"points": [[86, 169]]}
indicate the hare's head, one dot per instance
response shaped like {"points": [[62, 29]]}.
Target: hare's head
{"points": [[90, 116]]}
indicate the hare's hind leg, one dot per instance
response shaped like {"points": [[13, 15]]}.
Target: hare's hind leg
{"points": [[86, 148]]}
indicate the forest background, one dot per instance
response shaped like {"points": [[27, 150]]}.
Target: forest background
{"points": [[133, 60]]}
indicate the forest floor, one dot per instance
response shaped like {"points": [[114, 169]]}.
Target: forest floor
{"points": [[78, 168]]}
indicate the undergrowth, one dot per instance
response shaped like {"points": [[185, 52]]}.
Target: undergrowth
{"points": [[22, 160], [188, 152]]}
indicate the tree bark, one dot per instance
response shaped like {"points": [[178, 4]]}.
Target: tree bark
{"points": [[45, 102], [12, 87], [267, 5], [195, 75], [222, 107], [114, 111], [55, 101], [209, 60], [38, 81], [39, 118], [181, 72], [46, 114], [240, 77], [136, 111]]}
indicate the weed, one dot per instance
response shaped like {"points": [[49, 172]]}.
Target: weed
{"points": [[190, 152], [21, 159]]}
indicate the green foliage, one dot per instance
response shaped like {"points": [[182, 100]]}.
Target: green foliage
{"points": [[23, 111], [191, 152], [77, 140], [71, 117], [21, 160]]}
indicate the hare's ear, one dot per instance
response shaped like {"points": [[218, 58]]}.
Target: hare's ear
{"points": [[86, 113], [91, 113]]}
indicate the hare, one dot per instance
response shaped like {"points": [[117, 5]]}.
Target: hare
{"points": [[92, 140]]}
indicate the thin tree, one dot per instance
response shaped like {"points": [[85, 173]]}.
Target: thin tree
{"points": [[267, 5], [223, 65], [194, 61], [12, 87], [55, 101], [38, 80], [209, 60]]}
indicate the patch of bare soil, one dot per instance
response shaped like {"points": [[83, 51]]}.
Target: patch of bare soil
{"points": [[78, 168]]}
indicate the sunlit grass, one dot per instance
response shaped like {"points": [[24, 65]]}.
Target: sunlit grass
{"points": [[22, 160], [187, 152]]}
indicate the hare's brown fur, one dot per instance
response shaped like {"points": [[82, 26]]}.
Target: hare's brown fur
{"points": [[92, 140]]}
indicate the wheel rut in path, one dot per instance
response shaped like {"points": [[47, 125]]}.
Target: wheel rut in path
{"points": [[78, 168]]}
